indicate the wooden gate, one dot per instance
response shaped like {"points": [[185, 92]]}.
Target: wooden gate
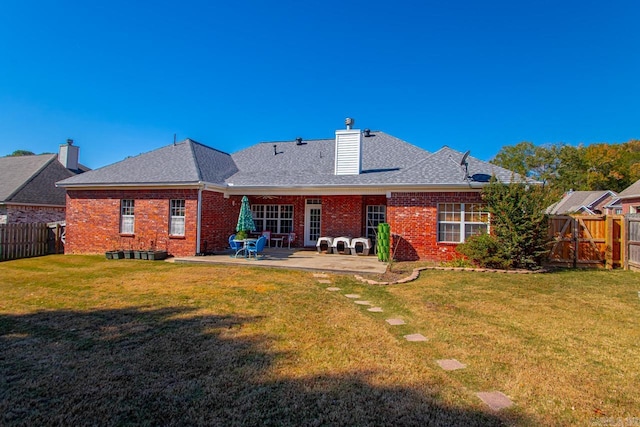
{"points": [[586, 241], [632, 243]]}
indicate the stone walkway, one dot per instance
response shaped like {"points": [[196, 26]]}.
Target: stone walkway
{"points": [[495, 400]]}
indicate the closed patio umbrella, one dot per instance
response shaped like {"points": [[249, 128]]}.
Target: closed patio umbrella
{"points": [[245, 219]]}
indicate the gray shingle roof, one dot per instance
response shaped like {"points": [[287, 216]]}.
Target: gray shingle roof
{"points": [[386, 161], [631, 191], [185, 162], [312, 164], [31, 179], [574, 202]]}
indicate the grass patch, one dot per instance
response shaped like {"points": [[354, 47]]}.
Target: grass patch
{"points": [[90, 341]]}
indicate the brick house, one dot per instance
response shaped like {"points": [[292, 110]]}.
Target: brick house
{"points": [[28, 192], [629, 198], [185, 197], [584, 203]]}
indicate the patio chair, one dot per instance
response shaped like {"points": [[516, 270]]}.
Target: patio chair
{"points": [[235, 245], [267, 234], [290, 238], [256, 248]]}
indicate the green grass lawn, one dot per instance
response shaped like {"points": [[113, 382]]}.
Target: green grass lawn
{"points": [[84, 340]]}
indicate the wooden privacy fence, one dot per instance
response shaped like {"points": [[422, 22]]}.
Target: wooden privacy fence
{"points": [[632, 242], [586, 241], [28, 240]]}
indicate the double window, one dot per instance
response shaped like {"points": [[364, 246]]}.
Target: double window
{"points": [[127, 217], [176, 217], [459, 221], [274, 218]]}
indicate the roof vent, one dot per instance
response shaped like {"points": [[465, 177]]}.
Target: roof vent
{"points": [[299, 141], [349, 122], [367, 133]]}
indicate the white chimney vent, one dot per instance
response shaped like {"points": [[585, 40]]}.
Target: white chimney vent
{"points": [[348, 152]]}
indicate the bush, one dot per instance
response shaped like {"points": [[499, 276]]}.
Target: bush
{"points": [[485, 250]]}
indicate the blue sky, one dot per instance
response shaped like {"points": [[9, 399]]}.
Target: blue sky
{"points": [[121, 78]]}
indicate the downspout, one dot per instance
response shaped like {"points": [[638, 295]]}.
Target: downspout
{"points": [[199, 219]]}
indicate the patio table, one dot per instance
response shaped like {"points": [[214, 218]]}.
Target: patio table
{"points": [[244, 246]]}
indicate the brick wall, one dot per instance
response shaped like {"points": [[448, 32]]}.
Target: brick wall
{"points": [[18, 214], [413, 218], [627, 204], [342, 216], [93, 221]]}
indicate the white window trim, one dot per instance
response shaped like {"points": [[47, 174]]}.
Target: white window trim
{"points": [[261, 222], [175, 220], [372, 230], [462, 223], [126, 218]]}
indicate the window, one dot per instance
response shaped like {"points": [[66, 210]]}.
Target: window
{"points": [[274, 218], [176, 217], [127, 218], [376, 214], [459, 221]]}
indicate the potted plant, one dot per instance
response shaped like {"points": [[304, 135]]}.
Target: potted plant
{"points": [[154, 254], [114, 253], [137, 254], [242, 234], [129, 253]]}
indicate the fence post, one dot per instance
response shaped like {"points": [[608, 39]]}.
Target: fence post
{"points": [[608, 242]]}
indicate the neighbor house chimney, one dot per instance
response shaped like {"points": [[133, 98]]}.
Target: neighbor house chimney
{"points": [[68, 155], [348, 150]]}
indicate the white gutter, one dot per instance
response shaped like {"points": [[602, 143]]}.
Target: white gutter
{"points": [[199, 219]]}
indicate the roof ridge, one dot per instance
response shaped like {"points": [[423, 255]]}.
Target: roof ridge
{"points": [[191, 143]]}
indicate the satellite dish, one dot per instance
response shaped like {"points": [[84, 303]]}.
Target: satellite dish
{"points": [[480, 177], [463, 162]]}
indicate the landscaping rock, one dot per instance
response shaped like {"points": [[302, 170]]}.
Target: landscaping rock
{"points": [[494, 399], [415, 337], [450, 364]]}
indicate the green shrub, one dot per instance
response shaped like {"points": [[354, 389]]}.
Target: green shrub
{"points": [[486, 251]]}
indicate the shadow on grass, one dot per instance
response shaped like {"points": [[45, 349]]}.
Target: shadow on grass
{"points": [[175, 367]]}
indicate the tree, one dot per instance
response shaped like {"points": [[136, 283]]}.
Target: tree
{"points": [[519, 226], [19, 153]]}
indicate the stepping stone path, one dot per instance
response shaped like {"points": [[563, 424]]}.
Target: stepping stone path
{"points": [[494, 399], [415, 337], [450, 364]]}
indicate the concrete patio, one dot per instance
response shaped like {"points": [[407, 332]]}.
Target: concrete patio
{"points": [[297, 259]]}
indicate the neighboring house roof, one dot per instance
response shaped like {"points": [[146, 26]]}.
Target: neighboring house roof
{"points": [[386, 161], [30, 179], [631, 191], [579, 201]]}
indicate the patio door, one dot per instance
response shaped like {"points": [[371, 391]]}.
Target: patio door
{"points": [[312, 216]]}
